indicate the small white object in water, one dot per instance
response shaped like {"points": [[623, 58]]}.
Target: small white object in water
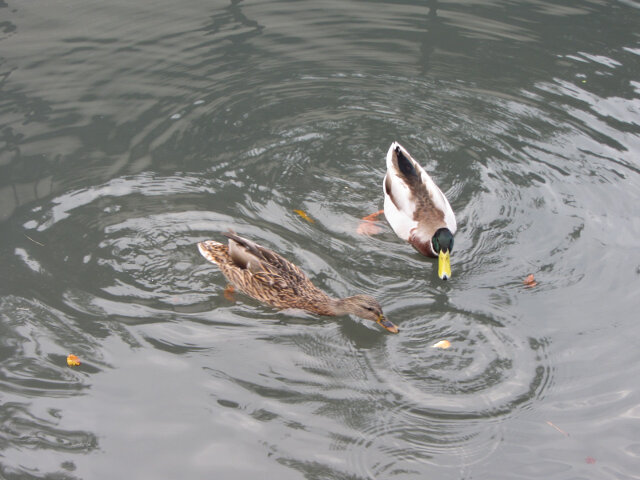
{"points": [[176, 116], [198, 102], [442, 344]]}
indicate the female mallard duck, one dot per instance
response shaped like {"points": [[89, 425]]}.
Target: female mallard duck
{"points": [[417, 209], [272, 279]]}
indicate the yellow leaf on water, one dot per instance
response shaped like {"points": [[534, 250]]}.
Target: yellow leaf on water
{"points": [[304, 215], [73, 361], [442, 344]]}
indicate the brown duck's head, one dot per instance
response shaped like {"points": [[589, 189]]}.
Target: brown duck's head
{"points": [[367, 307]]}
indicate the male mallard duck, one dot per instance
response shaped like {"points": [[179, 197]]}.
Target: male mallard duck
{"points": [[266, 276], [417, 209]]}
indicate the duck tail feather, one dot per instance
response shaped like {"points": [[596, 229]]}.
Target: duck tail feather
{"points": [[406, 166], [214, 252]]}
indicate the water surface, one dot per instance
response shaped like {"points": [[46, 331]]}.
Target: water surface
{"points": [[129, 132]]}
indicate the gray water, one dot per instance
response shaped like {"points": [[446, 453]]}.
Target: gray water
{"points": [[129, 131]]}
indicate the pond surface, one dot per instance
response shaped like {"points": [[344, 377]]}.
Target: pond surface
{"points": [[129, 131]]}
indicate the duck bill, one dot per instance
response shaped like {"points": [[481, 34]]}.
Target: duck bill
{"points": [[444, 265], [387, 324]]}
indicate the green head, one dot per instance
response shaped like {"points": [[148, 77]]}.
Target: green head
{"points": [[442, 243]]}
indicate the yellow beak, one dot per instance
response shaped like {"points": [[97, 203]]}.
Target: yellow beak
{"points": [[387, 324], [444, 265]]}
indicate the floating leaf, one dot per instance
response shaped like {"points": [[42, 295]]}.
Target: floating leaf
{"points": [[304, 215], [367, 226], [442, 344], [557, 428], [530, 281], [73, 361], [590, 460]]}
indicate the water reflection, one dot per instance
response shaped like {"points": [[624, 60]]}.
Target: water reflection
{"points": [[14, 195], [221, 21]]}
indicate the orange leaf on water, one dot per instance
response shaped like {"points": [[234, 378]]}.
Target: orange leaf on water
{"points": [[304, 215], [73, 361], [530, 281]]}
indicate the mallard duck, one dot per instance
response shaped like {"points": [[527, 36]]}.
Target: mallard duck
{"points": [[266, 276], [416, 208]]}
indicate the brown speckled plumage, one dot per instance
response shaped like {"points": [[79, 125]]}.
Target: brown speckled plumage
{"points": [[270, 278]]}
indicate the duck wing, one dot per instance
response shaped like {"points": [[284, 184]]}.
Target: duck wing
{"points": [[264, 264]]}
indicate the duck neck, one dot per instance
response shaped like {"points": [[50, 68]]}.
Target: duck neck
{"points": [[338, 306], [422, 245]]}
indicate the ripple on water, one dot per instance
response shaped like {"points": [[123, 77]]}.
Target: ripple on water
{"points": [[163, 127], [446, 406], [35, 382], [128, 237], [389, 401]]}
